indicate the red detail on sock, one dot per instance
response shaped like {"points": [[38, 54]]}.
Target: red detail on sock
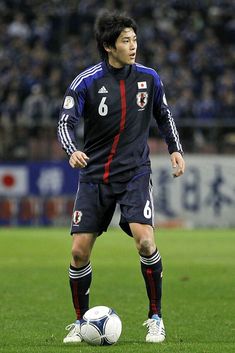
{"points": [[75, 299], [153, 291]]}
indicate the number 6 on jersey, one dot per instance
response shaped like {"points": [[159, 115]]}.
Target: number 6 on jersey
{"points": [[103, 108], [147, 210]]}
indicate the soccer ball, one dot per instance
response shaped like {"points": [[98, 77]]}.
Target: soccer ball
{"points": [[101, 326]]}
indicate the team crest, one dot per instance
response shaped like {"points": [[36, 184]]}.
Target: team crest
{"points": [[77, 216], [142, 99]]}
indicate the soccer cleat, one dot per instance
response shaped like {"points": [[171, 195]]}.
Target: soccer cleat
{"points": [[156, 330], [74, 335]]}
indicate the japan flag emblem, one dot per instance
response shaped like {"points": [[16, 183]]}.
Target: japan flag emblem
{"points": [[142, 85], [142, 99]]}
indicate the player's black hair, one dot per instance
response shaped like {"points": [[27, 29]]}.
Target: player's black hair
{"points": [[108, 26]]}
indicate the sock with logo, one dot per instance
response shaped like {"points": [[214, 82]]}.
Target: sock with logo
{"points": [[151, 267], [80, 281]]}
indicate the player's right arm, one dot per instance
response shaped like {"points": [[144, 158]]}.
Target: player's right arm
{"points": [[70, 115]]}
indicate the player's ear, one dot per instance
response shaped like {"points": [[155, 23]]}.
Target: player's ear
{"points": [[107, 47]]}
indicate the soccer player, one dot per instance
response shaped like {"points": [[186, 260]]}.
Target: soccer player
{"points": [[117, 99]]}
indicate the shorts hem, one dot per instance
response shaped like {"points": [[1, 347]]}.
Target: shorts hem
{"points": [[98, 232], [135, 221]]}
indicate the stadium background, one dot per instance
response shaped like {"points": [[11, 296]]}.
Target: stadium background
{"points": [[44, 44]]}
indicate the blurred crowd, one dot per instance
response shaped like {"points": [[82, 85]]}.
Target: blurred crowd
{"points": [[45, 44]]}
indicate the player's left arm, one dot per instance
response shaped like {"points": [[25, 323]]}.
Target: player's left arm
{"points": [[168, 130], [178, 164]]}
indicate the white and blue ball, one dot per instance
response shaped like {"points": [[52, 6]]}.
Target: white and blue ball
{"points": [[101, 326]]}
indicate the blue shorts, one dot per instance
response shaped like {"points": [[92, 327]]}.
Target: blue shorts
{"points": [[95, 205]]}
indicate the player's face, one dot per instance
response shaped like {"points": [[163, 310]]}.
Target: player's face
{"points": [[125, 51]]}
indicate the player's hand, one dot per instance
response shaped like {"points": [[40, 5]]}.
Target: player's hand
{"points": [[78, 160], [178, 164]]}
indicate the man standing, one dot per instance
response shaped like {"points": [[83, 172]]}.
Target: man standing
{"points": [[117, 99]]}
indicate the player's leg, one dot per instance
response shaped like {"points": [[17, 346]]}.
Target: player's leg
{"points": [[80, 271], [80, 276], [151, 265], [138, 216], [93, 211]]}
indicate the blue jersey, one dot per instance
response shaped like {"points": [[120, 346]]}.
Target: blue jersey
{"points": [[117, 107]]}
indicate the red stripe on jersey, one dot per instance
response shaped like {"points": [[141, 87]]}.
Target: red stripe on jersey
{"points": [[117, 137]]}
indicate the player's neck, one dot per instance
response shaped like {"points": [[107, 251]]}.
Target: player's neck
{"points": [[119, 72]]}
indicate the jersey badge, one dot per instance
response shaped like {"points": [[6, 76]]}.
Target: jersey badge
{"points": [[142, 85], [142, 99], [68, 102], [77, 216], [102, 90]]}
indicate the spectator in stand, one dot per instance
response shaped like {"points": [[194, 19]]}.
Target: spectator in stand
{"points": [[35, 108], [191, 44], [19, 27]]}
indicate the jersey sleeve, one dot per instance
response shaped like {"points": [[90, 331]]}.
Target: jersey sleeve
{"points": [[70, 114], [164, 119]]}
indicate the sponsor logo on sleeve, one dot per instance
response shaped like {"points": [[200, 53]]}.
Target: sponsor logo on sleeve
{"points": [[68, 102]]}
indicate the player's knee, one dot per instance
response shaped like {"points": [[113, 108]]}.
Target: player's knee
{"points": [[146, 246], [80, 255]]}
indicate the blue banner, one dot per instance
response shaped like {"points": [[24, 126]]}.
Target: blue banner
{"points": [[38, 178]]}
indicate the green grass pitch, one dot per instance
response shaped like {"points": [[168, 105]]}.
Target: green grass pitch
{"points": [[198, 290]]}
